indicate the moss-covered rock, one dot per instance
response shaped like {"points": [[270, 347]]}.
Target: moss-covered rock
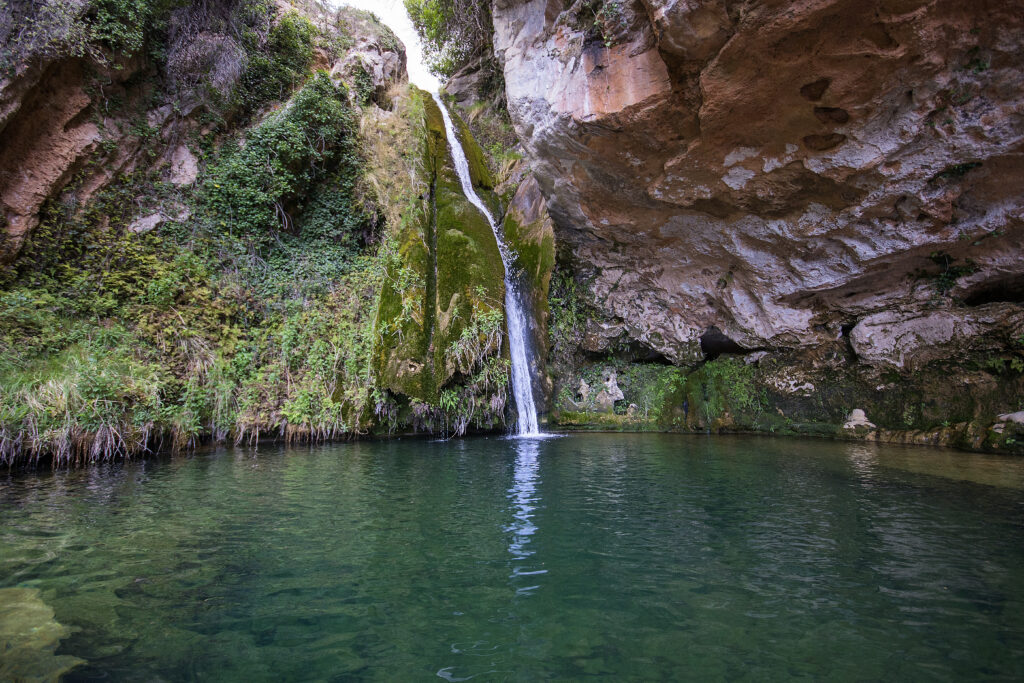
{"points": [[479, 172], [447, 272], [943, 404]]}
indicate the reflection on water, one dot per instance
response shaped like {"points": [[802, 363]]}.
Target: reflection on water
{"points": [[863, 462], [1005, 471], [524, 501], [622, 557]]}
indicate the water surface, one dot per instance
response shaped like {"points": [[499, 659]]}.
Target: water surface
{"points": [[630, 557]]}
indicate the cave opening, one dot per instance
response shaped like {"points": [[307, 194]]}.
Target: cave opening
{"points": [[714, 343], [1003, 290], [844, 334]]}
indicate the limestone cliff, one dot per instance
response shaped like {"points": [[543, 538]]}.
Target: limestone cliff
{"points": [[833, 184], [779, 172]]}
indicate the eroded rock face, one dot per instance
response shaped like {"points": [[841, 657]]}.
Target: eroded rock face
{"points": [[377, 55], [777, 170], [45, 141], [69, 121], [902, 338]]}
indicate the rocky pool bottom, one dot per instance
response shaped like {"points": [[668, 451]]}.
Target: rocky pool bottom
{"points": [[625, 556]]}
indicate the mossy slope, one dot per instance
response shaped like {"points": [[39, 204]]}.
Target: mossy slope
{"points": [[246, 310]]}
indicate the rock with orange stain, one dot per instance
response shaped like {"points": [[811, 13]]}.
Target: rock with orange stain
{"points": [[776, 171]]}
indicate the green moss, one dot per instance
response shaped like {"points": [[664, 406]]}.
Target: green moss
{"points": [[725, 385], [452, 250], [603, 422], [535, 257], [478, 170]]}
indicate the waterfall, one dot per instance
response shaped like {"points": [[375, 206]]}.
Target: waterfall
{"points": [[515, 311]]}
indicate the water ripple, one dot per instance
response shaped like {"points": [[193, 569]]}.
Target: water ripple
{"points": [[613, 556]]}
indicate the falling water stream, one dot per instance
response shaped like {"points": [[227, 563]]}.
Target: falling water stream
{"points": [[515, 313]]}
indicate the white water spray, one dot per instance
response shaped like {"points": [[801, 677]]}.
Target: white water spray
{"points": [[522, 388]]}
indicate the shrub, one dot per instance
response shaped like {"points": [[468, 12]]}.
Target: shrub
{"points": [[278, 65], [254, 190]]}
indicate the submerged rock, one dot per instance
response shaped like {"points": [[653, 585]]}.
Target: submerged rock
{"points": [[29, 636]]}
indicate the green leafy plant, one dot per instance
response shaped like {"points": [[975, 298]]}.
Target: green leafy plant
{"points": [[101, 30], [254, 190], [947, 277], [453, 31], [276, 65]]}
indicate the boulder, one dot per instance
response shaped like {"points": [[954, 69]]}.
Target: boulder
{"points": [[184, 167], [584, 390], [857, 419], [147, 223], [377, 60], [605, 400], [448, 248]]}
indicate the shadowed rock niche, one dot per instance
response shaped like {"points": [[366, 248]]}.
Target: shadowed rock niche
{"points": [[714, 343]]}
